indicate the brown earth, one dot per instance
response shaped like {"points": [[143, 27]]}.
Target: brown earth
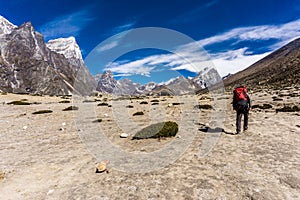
{"points": [[47, 156]]}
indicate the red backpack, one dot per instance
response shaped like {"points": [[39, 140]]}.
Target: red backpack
{"points": [[240, 93]]}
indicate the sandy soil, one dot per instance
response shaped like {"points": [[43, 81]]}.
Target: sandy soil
{"points": [[54, 155]]}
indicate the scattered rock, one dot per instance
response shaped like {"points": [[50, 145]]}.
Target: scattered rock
{"points": [[144, 102], [124, 135], [205, 106], [102, 104], [277, 99], [138, 113], [292, 181], [71, 108], [88, 101], [42, 112], [129, 106], [176, 104], [154, 101], [18, 103], [65, 101], [288, 109], [25, 127], [2, 175], [102, 166], [50, 192], [97, 121], [264, 106]]}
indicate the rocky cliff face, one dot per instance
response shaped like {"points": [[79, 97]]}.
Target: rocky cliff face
{"points": [[67, 47], [27, 65], [181, 86], [106, 83], [206, 78], [145, 89], [126, 86]]}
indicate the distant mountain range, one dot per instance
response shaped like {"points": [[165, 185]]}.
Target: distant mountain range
{"points": [[29, 65], [176, 86]]}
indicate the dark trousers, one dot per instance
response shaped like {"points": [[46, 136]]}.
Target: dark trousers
{"points": [[239, 114]]}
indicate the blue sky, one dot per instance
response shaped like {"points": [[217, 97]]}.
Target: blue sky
{"points": [[232, 34]]}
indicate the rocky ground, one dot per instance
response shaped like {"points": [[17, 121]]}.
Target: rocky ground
{"points": [[54, 155]]}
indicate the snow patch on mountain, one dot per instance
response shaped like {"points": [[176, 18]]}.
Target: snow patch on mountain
{"points": [[67, 47], [6, 27]]}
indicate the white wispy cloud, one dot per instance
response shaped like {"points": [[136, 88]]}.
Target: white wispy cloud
{"points": [[234, 60], [124, 27], [131, 68], [118, 33], [108, 46], [194, 58], [281, 32], [66, 25], [111, 42]]}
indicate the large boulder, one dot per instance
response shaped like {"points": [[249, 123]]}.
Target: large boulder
{"points": [[158, 130]]}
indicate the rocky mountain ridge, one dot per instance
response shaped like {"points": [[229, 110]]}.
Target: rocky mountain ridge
{"points": [[6, 26], [277, 70], [67, 47], [176, 86], [27, 65]]}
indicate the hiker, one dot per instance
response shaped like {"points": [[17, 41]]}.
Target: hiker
{"points": [[241, 104]]}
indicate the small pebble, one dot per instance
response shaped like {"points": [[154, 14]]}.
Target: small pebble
{"points": [[123, 135], [50, 192]]}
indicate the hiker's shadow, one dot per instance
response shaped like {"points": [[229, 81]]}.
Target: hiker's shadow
{"points": [[207, 129], [229, 133]]}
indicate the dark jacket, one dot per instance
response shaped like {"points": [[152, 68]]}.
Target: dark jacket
{"points": [[235, 103]]}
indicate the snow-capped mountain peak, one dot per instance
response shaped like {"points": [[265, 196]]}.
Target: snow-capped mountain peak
{"points": [[6, 27], [67, 47]]}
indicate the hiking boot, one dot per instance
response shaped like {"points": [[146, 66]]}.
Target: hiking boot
{"points": [[245, 128]]}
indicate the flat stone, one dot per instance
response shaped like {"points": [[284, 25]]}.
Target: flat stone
{"points": [[124, 135]]}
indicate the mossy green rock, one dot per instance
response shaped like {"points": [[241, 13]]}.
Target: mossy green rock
{"points": [[162, 129]]}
